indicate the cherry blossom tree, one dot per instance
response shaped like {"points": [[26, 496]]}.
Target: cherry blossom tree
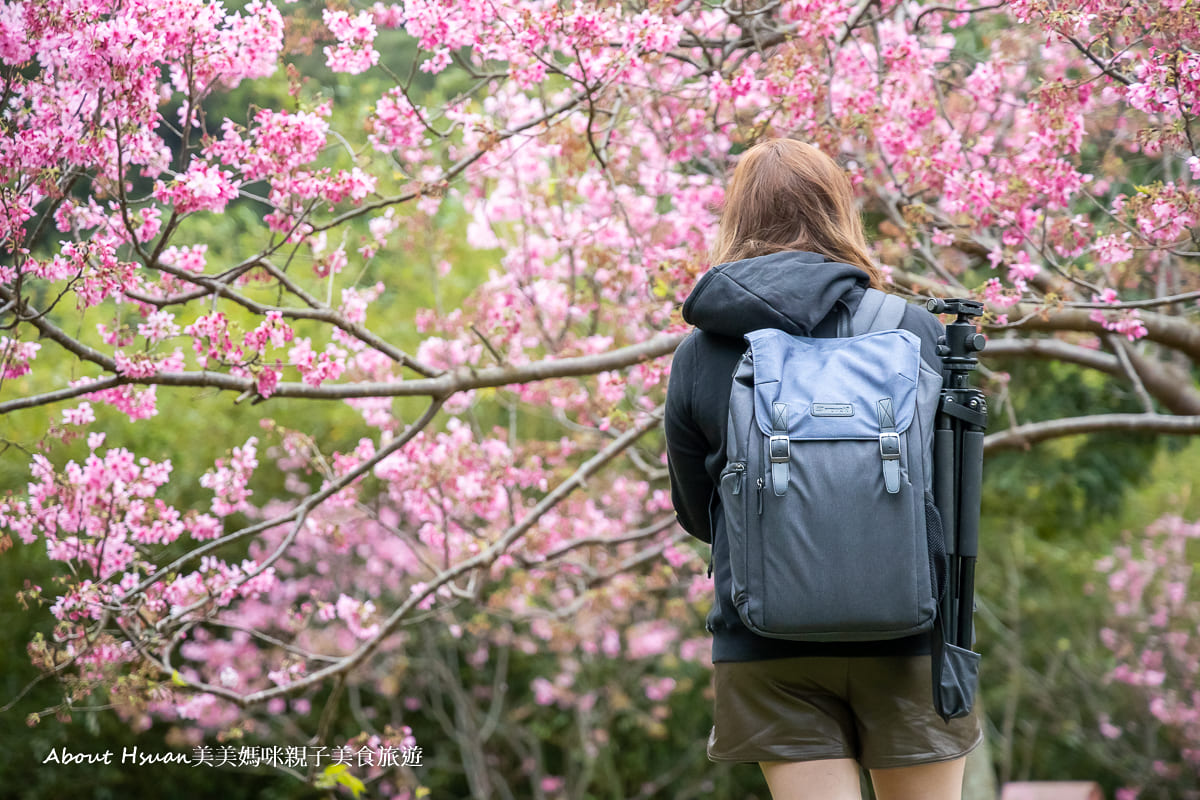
{"points": [[1153, 638], [506, 482]]}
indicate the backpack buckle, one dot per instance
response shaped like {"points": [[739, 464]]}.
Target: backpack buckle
{"points": [[779, 448], [889, 452]]}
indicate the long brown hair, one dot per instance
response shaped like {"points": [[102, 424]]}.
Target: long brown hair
{"points": [[788, 195]]}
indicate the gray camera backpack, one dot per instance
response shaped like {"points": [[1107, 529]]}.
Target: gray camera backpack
{"points": [[833, 535]]}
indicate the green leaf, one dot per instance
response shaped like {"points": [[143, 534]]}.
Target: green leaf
{"points": [[352, 783], [340, 773]]}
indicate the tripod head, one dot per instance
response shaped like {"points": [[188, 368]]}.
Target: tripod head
{"points": [[964, 308], [962, 341]]}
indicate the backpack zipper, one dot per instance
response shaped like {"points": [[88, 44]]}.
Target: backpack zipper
{"points": [[760, 490]]}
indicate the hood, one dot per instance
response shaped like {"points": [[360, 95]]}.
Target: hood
{"points": [[792, 291]]}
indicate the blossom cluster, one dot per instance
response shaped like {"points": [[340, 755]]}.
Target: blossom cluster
{"points": [[1152, 635]]}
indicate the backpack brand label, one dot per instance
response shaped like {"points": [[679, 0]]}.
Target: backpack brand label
{"points": [[832, 410]]}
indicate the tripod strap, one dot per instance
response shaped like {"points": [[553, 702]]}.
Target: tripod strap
{"points": [[955, 675]]}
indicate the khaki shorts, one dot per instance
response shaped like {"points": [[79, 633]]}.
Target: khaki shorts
{"points": [[877, 711]]}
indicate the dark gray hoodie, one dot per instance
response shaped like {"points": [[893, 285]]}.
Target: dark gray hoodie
{"points": [[799, 293]]}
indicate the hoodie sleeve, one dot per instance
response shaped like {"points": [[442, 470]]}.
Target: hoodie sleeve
{"points": [[687, 448]]}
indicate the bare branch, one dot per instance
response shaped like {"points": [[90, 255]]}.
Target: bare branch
{"points": [[853, 20], [319, 311], [633, 536], [59, 395], [1029, 434], [1055, 350], [1161, 380], [1150, 303], [27, 313], [257, 634], [951, 10], [443, 386], [1124, 355], [1165, 381], [1107, 69], [651, 553]]}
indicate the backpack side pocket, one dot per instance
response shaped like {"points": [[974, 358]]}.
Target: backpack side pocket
{"points": [[939, 561], [733, 493]]}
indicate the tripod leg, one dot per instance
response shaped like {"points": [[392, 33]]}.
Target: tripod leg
{"points": [[964, 634], [970, 491], [944, 496]]}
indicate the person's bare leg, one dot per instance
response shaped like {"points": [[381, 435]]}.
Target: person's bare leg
{"points": [[941, 781], [827, 779]]}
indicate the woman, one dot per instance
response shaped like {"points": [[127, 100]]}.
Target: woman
{"points": [[810, 714]]}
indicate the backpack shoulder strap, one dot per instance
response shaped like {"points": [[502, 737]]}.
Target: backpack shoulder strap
{"points": [[878, 311]]}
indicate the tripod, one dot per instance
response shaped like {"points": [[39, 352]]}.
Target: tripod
{"points": [[958, 463]]}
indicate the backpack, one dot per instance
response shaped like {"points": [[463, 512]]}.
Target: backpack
{"points": [[832, 530]]}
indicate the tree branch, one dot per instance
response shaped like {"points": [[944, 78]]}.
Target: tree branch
{"points": [[483, 559], [1029, 434], [319, 311], [27, 313], [653, 529], [952, 10], [1053, 350], [1165, 381], [1105, 68], [651, 553], [298, 514], [455, 169], [443, 386], [1125, 355], [1152, 302], [1162, 380], [1174, 332]]}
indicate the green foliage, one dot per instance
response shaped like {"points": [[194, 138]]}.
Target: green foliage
{"points": [[1067, 484], [1049, 514]]}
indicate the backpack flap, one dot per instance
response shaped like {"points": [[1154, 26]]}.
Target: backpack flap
{"points": [[862, 387]]}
